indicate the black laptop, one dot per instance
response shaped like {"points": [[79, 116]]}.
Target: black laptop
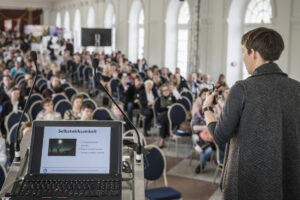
{"points": [[73, 160]]}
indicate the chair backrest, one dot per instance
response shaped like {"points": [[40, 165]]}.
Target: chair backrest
{"points": [[70, 92], [41, 82], [62, 106], [84, 94], [185, 102], [35, 109], [21, 82], [19, 77], [80, 72], [34, 98], [102, 114], [87, 73], [154, 164], [42, 87], [66, 85], [11, 138], [13, 118], [188, 94], [176, 114], [131, 134], [114, 83], [3, 175], [91, 101], [57, 97]]}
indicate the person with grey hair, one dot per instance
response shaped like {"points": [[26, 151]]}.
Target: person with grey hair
{"points": [[147, 98], [260, 124]]}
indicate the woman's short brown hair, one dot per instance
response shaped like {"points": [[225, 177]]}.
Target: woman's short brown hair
{"points": [[267, 42], [76, 96]]}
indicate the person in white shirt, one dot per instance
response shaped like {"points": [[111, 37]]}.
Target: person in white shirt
{"points": [[48, 113]]}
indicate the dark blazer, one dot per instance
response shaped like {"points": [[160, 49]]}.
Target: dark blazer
{"points": [[143, 97], [261, 125]]}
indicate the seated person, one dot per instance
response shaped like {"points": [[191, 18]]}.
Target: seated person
{"points": [[27, 87], [86, 111], [147, 98], [165, 101], [47, 113], [117, 115], [54, 88], [25, 129], [75, 112], [16, 101], [17, 68]]}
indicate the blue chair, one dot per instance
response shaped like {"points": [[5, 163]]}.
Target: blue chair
{"points": [[70, 92], [11, 139], [35, 109], [18, 76], [92, 102], [185, 102], [154, 168], [57, 97], [34, 98], [66, 85], [62, 106], [102, 114], [87, 74], [13, 118], [42, 87], [176, 116], [114, 83], [188, 94], [85, 95], [131, 134], [41, 82], [80, 72], [3, 174]]}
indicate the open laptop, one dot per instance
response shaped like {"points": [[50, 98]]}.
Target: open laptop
{"points": [[73, 160]]}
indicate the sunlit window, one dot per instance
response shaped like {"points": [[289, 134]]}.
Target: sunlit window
{"points": [[77, 30], [183, 38], [67, 33], [110, 22], [141, 34], [259, 11], [58, 20]]}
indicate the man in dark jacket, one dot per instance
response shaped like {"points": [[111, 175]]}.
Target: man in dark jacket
{"points": [[260, 124]]}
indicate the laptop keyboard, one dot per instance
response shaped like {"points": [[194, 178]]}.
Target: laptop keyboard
{"points": [[69, 188]]}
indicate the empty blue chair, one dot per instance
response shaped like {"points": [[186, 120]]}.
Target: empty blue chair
{"points": [[34, 98], [12, 134], [154, 168], [70, 92], [189, 95], [62, 106], [35, 109], [66, 85], [102, 114], [185, 102], [57, 97], [13, 118], [40, 82]]}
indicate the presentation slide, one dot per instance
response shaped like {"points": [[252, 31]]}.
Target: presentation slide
{"points": [[76, 150]]}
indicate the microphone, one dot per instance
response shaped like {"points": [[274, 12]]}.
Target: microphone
{"points": [[33, 58], [137, 147]]}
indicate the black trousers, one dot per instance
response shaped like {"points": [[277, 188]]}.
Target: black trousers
{"points": [[162, 118], [148, 113]]}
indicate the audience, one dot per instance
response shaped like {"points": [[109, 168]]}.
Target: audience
{"points": [[47, 113], [86, 111], [75, 112]]}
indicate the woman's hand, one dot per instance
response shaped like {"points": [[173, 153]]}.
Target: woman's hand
{"points": [[209, 99]]}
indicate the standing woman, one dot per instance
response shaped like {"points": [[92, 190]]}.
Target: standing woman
{"points": [[165, 101]]}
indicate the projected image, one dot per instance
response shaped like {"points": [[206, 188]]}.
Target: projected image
{"points": [[62, 147]]}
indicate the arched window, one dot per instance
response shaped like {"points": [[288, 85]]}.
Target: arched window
{"points": [[183, 38], [67, 31], [136, 31], [77, 31], [259, 11], [141, 35], [110, 22], [58, 20], [91, 18]]}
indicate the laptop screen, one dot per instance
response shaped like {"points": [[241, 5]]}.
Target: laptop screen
{"points": [[83, 150], [76, 147]]}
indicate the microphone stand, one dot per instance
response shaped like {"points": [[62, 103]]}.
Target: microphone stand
{"points": [[139, 146], [17, 145]]}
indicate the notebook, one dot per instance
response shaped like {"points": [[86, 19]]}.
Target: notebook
{"points": [[73, 160]]}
